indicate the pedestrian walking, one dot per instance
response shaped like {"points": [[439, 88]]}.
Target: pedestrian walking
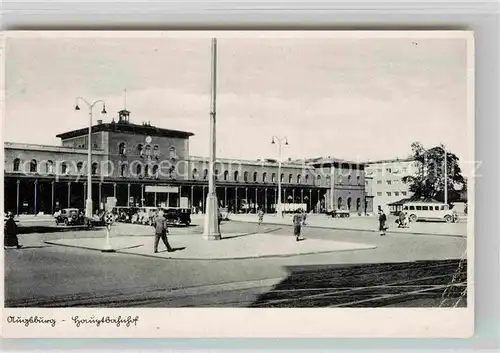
{"points": [[261, 216], [382, 220], [304, 217], [402, 219], [219, 217], [297, 225], [161, 231], [10, 232]]}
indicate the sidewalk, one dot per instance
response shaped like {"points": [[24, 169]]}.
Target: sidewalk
{"points": [[366, 223]]}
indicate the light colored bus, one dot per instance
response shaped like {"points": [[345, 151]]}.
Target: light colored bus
{"points": [[428, 211]]}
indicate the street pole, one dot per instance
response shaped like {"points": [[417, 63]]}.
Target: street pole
{"points": [[88, 204], [280, 140], [211, 229]]}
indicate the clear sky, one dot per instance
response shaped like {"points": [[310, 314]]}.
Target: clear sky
{"points": [[351, 98]]}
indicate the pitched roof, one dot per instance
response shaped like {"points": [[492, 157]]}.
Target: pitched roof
{"points": [[127, 128]]}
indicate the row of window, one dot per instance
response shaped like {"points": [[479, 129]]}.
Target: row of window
{"points": [[390, 182], [264, 179], [146, 150], [426, 208], [349, 203], [50, 167], [396, 193], [147, 171], [402, 170]]}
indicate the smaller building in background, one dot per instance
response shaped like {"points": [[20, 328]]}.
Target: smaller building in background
{"points": [[386, 179]]}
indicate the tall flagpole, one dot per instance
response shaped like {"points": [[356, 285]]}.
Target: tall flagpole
{"points": [[211, 229], [445, 176]]}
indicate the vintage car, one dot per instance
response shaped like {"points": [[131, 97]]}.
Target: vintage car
{"points": [[341, 214], [177, 216], [70, 216]]}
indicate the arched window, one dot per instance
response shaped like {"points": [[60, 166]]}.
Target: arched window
{"points": [[264, 177], [339, 203], [205, 174], [79, 167], [358, 179], [255, 177], [349, 201], [64, 168], [282, 177], [216, 174], [349, 179], [140, 149], [318, 179], [156, 151], [123, 169], [358, 204], [49, 167], [155, 171], [121, 149], [299, 179], [94, 168], [16, 163], [146, 171], [245, 177], [273, 178], [195, 173], [290, 179], [226, 175], [236, 174], [138, 170], [33, 166], [307, 178], [171, 171], [147, 150], [328, 180], [172, 153]]}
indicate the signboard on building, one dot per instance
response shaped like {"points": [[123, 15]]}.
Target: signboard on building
{"points": [[162, 188], [183, 202]]}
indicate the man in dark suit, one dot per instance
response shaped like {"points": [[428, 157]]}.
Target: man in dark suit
{"points": [[161, 231]]}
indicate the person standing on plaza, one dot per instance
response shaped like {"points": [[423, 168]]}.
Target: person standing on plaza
{"points": [[402, 219], [261, 216], [10, 232], [382, 221], [161, 231], [297, 224]]}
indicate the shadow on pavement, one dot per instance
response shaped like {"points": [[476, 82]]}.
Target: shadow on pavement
{"points": [[52, 229], [406, 284]]}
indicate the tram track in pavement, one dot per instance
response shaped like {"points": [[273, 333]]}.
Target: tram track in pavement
{"points": [[372, 285]]}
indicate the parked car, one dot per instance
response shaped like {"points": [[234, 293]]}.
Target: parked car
{"points": [[70, 216], [429, 211], [177, 216], [340, 214]]}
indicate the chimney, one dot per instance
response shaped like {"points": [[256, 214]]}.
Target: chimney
{"points": [[99, 122]]}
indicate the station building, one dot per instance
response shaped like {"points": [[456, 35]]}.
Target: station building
{"points": [[143, 165]]}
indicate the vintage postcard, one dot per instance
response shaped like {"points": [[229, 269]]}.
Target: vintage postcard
{"points": [[238, 184]]}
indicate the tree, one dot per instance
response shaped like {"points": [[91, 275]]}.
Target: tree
{"points": [[428, 182]]}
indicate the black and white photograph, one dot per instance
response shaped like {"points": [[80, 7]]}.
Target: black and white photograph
{"points": [[237, 170]]}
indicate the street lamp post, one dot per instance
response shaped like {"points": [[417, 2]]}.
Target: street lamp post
{"points": [[280, 141], [88, 205], [211, 226], [445, 175]]}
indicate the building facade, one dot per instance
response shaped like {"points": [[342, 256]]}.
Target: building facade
{"points": [[387, 183], [143, 165]]}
